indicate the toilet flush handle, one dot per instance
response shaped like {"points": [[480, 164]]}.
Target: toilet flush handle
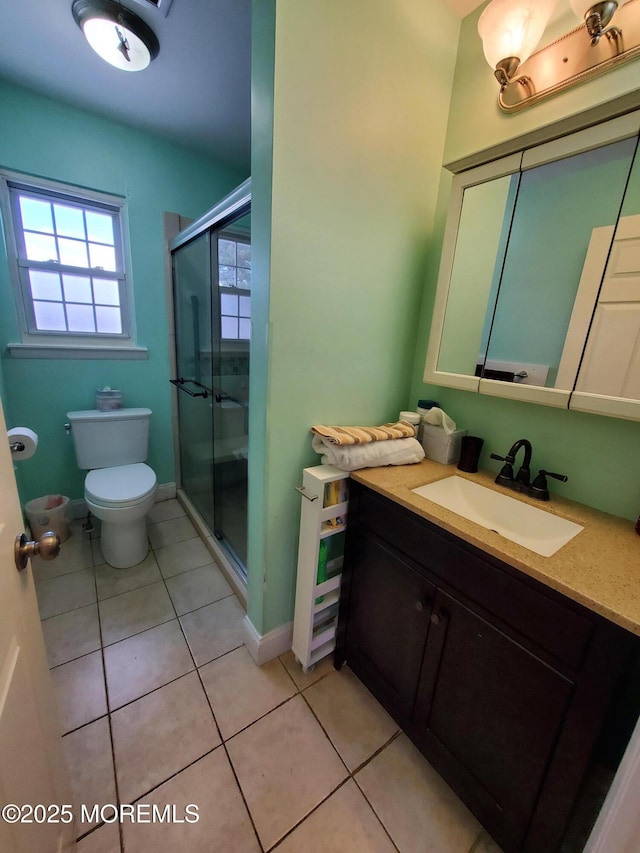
{"points": [[67, 429]]}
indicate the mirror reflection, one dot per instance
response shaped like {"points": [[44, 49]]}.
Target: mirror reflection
{"points": [[481, 243], [611, 362], [524, 246], [558, 206]]}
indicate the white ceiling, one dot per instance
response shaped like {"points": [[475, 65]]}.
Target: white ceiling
{"points": [[196, 92]]}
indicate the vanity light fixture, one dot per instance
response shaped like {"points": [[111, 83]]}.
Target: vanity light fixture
{"points": [[117, 34], [511, 29], [597, 17]]}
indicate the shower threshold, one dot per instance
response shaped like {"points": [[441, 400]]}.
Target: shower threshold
{"points": [[230, 566]]}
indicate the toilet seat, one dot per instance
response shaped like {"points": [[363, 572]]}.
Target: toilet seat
{"points": [[123, 485]]}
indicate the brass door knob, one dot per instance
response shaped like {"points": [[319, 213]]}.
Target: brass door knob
{"points": [[47, 547]]}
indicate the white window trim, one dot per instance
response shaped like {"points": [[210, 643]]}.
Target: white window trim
{"points": [[68, 344]]}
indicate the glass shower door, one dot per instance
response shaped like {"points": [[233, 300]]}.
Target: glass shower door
{"points": [[192, 308], [212, 308], [231, 262]]}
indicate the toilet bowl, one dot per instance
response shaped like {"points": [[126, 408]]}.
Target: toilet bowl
{"points": [[119, 488], [121, 497]]}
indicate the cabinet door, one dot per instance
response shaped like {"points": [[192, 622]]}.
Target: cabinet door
{"points": [[389, 607], [488, 714]]}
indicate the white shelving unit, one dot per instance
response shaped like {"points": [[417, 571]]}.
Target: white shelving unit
{"points": [[316, 612]]}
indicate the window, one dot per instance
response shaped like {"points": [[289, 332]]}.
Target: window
{"points": [[234, 285], [69, 262]]}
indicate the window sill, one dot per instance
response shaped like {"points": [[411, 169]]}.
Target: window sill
{"points": [[76, 351]]}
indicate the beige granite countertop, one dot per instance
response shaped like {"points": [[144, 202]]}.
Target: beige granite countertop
{"points": [[599, 568]]}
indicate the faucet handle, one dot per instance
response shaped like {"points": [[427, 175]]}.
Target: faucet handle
{"points": [[539, 487], [562, 477], [506, 472]]}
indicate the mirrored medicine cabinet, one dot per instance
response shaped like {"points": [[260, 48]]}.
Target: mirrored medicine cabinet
{"points": [[538, 296]]}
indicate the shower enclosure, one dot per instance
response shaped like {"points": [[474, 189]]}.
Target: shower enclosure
{"points": [[211, 262]]}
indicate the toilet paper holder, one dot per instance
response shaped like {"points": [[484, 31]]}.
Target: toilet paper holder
{"points": [[23, 442]]}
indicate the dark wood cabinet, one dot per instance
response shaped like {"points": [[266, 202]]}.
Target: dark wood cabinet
{"points": [[502, 683], [390, 608]]}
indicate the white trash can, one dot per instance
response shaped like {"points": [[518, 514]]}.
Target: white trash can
{"points": [[42, 516]]}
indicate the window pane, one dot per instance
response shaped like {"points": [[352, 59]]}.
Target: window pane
{"points": [[227, 276], [99, 227], [69, 221], [244, 255], [106, 291], [108, 320], [227, 252], [36, 215], [80, 318], [49, 316], [229, 327], [72, 252], [245, 306], [58, 229], [245, 330], [102, 256], [45, 285], [77, 288], [244, 278], [228, 303], [39, 247]]}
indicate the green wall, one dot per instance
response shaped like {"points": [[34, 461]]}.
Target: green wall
{"points": [[52, 140], [600, 455], [263, 21], [361, 94]]}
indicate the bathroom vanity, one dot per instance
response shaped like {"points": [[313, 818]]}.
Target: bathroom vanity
{"points": [[485, 652]]}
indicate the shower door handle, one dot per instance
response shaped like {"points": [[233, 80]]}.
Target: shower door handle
{"points": [[180, 384]]}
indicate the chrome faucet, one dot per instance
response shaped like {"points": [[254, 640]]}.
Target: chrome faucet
{"points": [[521, 482]]}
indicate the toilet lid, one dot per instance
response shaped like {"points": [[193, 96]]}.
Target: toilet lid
{"points": [[122, 484]]}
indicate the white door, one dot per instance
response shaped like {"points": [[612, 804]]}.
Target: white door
{"points": [[611, 362], [607, 315], [32, 769]]}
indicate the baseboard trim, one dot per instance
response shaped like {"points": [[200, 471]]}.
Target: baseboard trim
{"points": [[266, 647], [164, 492]]}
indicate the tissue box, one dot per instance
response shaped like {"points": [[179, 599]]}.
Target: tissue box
{"points": [[439, 446]]}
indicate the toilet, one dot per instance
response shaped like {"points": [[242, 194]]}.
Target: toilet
{"points": [[119, 488]]}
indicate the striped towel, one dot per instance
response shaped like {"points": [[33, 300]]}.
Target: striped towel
{"points": [[363, 435]]}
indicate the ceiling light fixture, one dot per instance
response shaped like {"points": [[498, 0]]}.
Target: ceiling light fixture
{"points": [[510, 30], [116, 34]]}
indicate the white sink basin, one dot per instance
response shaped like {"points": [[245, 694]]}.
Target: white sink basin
{"points": [[534, 528]]}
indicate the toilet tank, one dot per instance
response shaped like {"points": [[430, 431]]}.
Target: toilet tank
{"points": [[107, 439]]}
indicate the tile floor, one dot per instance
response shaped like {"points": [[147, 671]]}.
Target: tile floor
{"points": [[161, 704]]}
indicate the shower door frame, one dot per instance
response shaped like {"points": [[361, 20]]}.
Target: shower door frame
{"points": [[222, 214]]}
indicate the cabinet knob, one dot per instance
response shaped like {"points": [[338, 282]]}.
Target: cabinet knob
{"points": [[437, 618], [421, 605]]}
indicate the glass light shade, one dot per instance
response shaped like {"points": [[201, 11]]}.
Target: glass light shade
{"points": [[513, 28], [102, 35]]}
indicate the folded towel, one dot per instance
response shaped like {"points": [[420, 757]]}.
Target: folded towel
{"points": [[363, 435], [397, 451]]}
